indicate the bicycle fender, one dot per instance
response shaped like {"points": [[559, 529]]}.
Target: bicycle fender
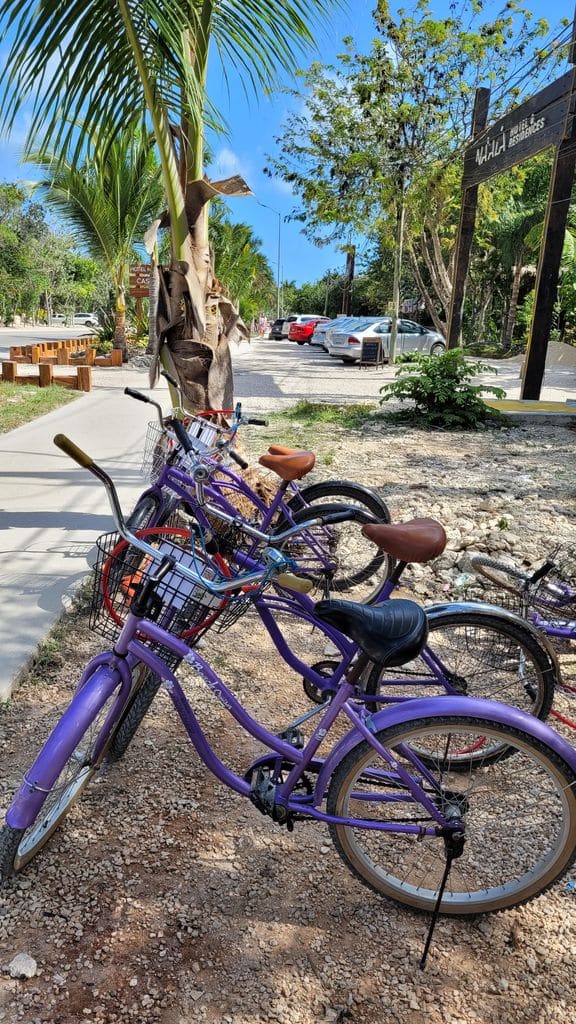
{"points": [[43, 773], [440, 707], [436, 611]]}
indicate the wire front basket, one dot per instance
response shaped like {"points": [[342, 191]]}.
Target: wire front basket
{"points": [[158, 446], [160, 443], [180, 606]]}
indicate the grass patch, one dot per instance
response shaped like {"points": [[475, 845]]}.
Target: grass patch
{"points": [[20, 403], [313, 414]]}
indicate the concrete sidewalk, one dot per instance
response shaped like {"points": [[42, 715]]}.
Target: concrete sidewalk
{"points": [[51, 511]]}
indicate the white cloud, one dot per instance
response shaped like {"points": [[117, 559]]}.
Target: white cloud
{"points": [[226, 162]]}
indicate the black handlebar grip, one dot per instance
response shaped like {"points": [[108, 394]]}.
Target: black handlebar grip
{"points": [[254, 422], [137, 395], [542, 571], [180, 431], [171, 380], [73, 451], [238, 459]]}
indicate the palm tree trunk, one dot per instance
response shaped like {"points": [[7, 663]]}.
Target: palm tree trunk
{"points": [[120, 319], [153, 305], [511, 315]]}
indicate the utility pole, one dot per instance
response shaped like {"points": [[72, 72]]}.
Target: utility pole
{"points": [[400, 216]]}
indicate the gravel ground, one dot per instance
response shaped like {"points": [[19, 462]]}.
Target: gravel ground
{"points": [[166, 898]]}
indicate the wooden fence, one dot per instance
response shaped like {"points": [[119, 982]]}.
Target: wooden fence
{"points": [[63, 353], [80, 381]]}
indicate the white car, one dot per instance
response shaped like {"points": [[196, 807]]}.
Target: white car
{"points": [[85, 320], [302, 318], [345, 342]]}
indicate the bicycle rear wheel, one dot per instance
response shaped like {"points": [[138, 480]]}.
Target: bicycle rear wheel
{"points": [[518, 816], [479, 655], [346, 492], [76, 752], [338, 557]]}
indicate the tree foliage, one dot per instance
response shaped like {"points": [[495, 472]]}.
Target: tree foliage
{"points": [[40, 269], [388, 127]]}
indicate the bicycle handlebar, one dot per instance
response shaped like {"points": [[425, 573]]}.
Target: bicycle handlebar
{"points": [[140, 397], [271, 558], [171, 380], [74, 452], [237, 459], [182, 435]]}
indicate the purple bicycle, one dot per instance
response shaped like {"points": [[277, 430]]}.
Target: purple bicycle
{"points": [[409, 812], [339, 561], [545, 597]]}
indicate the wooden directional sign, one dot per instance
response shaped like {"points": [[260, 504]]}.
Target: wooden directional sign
{"points": [[534, 125], [140, 280]]}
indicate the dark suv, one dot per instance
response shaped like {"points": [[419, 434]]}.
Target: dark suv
{"points": [[276, 329]]}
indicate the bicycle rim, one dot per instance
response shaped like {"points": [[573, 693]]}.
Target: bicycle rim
{"points": [[518, 817]]}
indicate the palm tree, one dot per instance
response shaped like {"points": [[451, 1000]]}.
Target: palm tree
{"points": [[240, 266], [104, 59], [109, 201]]}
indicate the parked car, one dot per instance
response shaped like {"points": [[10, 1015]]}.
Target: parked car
{"points": [[276, 329], [302, 333], [301, 318], [320, 331], [85, 320], [58, 318], [345, 342]]}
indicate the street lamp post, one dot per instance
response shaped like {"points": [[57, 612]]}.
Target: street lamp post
{"points": [[278, 284]]}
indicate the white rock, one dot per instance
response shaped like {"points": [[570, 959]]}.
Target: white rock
{"points": [[22, 966]]}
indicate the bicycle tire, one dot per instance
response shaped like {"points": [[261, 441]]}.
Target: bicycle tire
{"points": [[338, 544], [146, 512], [344, 492], [133, 715], [505, 576], [486, 656], [519, 819], [79, 762]]}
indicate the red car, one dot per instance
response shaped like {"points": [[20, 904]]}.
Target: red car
{"points": [[302, 331]]}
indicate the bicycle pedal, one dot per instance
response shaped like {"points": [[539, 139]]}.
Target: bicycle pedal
{"points": [[294, 736]]}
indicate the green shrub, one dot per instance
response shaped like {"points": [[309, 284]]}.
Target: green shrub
{"points": [[440, 388]]}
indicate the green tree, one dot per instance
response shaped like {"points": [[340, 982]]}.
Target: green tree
{"points": [[107, 59], [382, 134], [108, 201], [240, 265]]}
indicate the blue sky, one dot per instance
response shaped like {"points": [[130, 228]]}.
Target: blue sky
{"points": [[253, 123]]}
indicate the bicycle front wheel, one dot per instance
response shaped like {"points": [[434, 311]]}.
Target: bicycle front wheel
{"points": [[518, 816], [475, 654], [505, 576], [76, 759]]}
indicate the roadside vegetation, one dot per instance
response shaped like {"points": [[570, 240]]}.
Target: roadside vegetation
{"points": [[20, 403]]}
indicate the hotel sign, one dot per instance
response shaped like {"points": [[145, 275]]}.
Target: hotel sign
{"points": [[537, 123]]}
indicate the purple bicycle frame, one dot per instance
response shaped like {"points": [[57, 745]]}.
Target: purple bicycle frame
{"points": [[108, 674]]}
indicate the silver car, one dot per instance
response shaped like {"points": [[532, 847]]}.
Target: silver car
{"points": [[345, 342], [320, 338]]}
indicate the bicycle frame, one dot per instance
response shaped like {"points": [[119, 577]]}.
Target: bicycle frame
{"points": [[109, 672]]}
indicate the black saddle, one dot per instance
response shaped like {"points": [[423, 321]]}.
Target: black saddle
{"points": [[391, 633]]}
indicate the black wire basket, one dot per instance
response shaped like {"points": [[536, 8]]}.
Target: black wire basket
{"points": [[181, 607]]}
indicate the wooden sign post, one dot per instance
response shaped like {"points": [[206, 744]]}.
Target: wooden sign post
{"points": [[546, 119]]}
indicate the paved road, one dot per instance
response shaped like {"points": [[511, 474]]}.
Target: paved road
{"points": [[275, 374]]}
